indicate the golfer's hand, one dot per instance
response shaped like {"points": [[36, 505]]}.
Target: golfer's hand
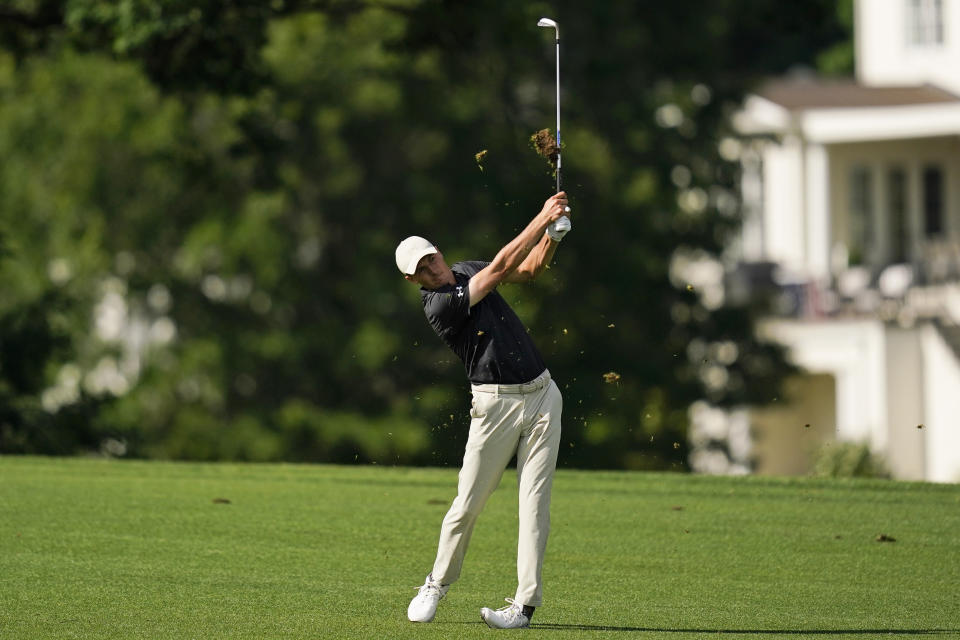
{"points": [[559, 214], [556, 207]]}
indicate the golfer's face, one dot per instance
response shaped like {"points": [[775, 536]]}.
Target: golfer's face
{"points": [[432, 272]]}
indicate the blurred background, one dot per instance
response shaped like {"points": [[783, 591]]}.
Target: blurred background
{"points": [[199, 203]]}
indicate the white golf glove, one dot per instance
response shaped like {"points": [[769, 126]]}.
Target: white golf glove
{"points": [[559, 228]]}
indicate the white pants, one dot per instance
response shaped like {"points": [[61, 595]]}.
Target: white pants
{"points": [[507, 420]]}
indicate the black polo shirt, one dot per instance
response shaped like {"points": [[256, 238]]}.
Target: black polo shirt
{"points": [[489, 337]]}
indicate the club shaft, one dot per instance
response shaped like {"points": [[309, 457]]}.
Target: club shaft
{"points": [[558, 110]]}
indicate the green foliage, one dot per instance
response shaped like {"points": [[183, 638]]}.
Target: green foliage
{"points": [[86, 177], [199, 204], [125, 549], [191, 45], [838, 59], [848, 460]]}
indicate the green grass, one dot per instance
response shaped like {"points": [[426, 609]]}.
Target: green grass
{"points": [[107, 549]]}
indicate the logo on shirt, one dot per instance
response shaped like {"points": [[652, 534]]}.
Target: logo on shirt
{"points": [[460, 291]]}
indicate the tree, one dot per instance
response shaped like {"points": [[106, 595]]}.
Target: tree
{"points": [[261, 161]]}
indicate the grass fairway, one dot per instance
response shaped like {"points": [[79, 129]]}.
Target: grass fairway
{"points": [[106, 549]]}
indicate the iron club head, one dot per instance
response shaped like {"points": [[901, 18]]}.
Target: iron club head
{"points": [[547, 22]]}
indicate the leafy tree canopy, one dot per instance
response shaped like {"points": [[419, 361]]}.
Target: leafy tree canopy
{"points": [[199, 203]]}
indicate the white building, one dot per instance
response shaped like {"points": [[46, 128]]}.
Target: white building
{"points": [[852, 189]]}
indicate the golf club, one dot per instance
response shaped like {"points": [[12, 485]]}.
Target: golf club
{"points": [[564, 222]]}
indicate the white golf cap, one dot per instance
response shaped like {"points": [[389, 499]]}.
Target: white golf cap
{"points": [[410, 251]]}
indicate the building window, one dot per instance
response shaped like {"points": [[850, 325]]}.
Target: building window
{"points": [[861, 213], [933, 200], [897, 207], [924, 23]]}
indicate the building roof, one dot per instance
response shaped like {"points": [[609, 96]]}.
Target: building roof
{"points": [[829, 111], [801, 93]]}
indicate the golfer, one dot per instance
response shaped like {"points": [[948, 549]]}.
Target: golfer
{"points": [[515, 410]]}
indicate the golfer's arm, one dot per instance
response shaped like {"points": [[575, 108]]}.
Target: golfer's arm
{"points": [[534, 264], [509, 259]]}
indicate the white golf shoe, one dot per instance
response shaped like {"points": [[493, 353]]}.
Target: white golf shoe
{"points": [[509, 617], [424, 605]]}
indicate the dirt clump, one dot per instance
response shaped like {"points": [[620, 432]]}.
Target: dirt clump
{"points": [[546, 146], [479, 157]]}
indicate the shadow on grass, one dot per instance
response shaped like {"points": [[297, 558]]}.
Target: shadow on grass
{"points": [[772, 632]]}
